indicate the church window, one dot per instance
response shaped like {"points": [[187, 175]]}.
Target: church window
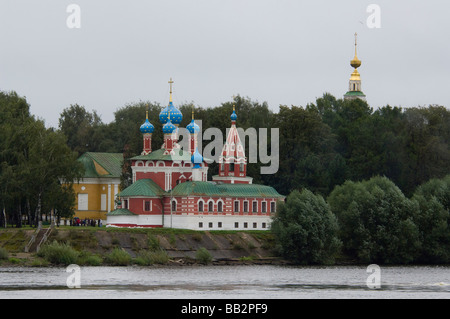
{"points": [[231, 167], [200, 206], [222, 167], [219, 207], [242, 167], [174, 205], [236, 225], [272, 207], [255, 225], [245, 206], [210, 224], [147, 206], [210, 206], [255, 207], [245, 225], [236, 206], [219, 224], [200, 225], [263, 207]]}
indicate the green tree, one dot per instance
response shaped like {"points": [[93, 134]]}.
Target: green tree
{"points": [[308, 158], [34, 162], [82, 128], [434, 220], [306, 230], [376, 221]]}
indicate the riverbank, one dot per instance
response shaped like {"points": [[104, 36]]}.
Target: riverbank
{"points": [[96, 246]]}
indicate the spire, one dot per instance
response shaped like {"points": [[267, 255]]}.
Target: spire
{"points": [[232, 161], [170, 83], [147, 129], [355, 78]]}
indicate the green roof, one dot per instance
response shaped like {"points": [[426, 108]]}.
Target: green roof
{"points": [[354, 93], [120, 212], [101, 164], [217, 189], [143, 187], [159, 156]]}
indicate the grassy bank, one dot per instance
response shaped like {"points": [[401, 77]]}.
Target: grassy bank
{"points": [[92, 246]]}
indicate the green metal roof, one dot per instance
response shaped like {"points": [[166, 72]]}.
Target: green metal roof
{"points": [[354, 93], [216, 189], [110, 162], [120, 212], [159, 156], [143, 187]]}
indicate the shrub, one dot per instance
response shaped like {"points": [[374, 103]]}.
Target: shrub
{"points": [[58, 253], [89, 259], [376, 221], [203, 256], [118, 257], [305, 230], [434, 220], [3, 254], [146, 258]]}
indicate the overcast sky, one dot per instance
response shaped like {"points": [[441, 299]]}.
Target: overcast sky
{"points": [[286, 52]]}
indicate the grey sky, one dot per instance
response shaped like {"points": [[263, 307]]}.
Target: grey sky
{"points": [[281, 51]]}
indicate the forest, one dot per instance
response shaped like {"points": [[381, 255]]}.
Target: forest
{"points": [[324, 147]]}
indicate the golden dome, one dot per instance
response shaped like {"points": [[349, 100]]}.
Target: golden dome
{"points": [[356, 63]]}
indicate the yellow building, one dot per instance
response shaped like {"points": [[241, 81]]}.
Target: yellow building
{"points": [[97, 190]]}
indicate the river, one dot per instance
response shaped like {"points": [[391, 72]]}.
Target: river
{"points": [[226, 282]]}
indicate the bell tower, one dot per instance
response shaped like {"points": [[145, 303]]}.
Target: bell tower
{"points": [[354, 89], [232, 161]]}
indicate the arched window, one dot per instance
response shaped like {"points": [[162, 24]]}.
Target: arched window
{"points": [[219, 207], [241, 167], [211, 206], [200, 206], [174, 205]]}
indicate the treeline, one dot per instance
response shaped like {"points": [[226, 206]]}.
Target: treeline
{"points": [[34, 161], [366, 222], [321, 145]]}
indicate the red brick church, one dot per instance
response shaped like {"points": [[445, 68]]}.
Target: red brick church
{"points": [[170, 187]]}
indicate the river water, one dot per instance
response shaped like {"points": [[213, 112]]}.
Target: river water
{"points": [[232, 282]]}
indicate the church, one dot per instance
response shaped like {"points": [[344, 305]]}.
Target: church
{"points": [[170, 186]]}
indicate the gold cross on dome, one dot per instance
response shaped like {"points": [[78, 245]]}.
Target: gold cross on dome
{"points": [[170, 82]]}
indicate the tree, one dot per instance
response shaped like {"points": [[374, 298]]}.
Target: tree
{"points": [[376, 221], [306, 230], [34, 162], [434, 220], [81, 128], [48, 160]]}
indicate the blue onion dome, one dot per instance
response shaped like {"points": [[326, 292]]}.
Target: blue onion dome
{"points": [[193, 128], [197, 159], [234, 115], [147, 127], [164, 115], [168, 128], [175, 115]]}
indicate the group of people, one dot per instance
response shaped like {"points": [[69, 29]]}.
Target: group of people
{"points": [[85, 222]]}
